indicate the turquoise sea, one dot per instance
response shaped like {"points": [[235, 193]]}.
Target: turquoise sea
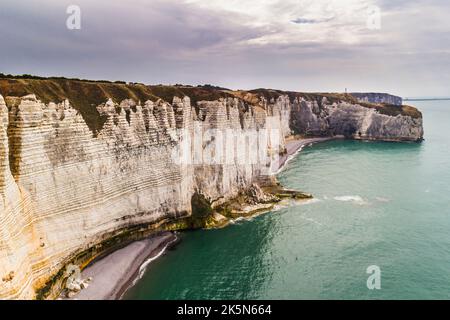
{"points": [[383, 204]]}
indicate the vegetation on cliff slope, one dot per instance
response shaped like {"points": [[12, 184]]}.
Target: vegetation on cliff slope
{"points": [[387, 109], [85, 95]]}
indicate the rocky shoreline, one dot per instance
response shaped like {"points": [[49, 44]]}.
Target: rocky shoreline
{"points": [[111, 276], [87, 167]]}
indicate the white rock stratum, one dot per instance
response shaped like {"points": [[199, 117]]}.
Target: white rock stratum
{"points": [[66, 193]]}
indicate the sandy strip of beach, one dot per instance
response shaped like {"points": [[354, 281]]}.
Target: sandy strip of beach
{"points": [[113, 274], [294, 145]]}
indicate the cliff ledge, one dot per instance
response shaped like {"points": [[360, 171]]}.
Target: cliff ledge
{"points": [[86, 166]]}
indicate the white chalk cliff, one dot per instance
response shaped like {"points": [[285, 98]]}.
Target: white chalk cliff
{"points": [[67, 192]]}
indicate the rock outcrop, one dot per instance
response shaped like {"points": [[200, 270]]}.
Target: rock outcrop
{"points": [[78, 177], [378, 98], [357, 121]]}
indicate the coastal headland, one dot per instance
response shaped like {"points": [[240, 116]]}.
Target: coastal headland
{"points": [[87, 167]]}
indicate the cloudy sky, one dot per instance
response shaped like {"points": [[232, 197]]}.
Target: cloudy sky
{"points": [[302, 45]]}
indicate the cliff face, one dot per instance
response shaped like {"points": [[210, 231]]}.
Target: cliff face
{"points": [[354, 121], [378, 98], [69, 189]]}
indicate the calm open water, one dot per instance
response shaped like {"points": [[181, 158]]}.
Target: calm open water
{"points": [[383, 204]]}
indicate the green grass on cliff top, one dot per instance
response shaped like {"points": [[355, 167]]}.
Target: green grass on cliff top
{"points": [[387, 109], [85, 95]]}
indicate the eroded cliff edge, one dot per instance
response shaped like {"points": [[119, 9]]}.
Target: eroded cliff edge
{"points": [[88, 165]]}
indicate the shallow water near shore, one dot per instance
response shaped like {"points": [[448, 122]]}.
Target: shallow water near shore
{"points": [[384, 204]]}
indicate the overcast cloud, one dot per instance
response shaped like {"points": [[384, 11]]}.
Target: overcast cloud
{"points": [[303, 45]]}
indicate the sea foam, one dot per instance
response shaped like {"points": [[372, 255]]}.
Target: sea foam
{"points": [[355, 199]]}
